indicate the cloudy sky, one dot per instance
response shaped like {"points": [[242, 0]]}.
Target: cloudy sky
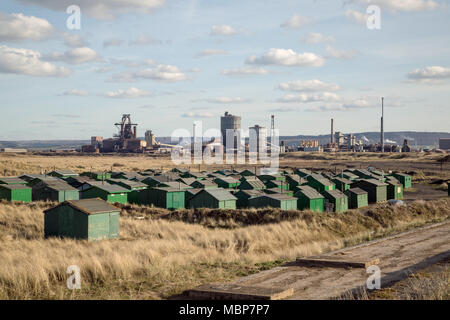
{"points": [[171, 62]]}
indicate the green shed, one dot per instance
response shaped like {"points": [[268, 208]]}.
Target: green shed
{"points": [[243, 196], [303, 172], [154, 181], [204, 184], [394, 189], [342, 184], [279, 190], [63, 174], [15, 192], [295, 180], [99, 176], [186, 181], [227, 182], [135, 188], [167, 198], [376, 189], [279, 200], [269, 177], [252, 184], [357, 198], [189, 193], [57, 190], [247, 173], [42, 178], [309, 199], [277, 184], [108, 192], [90, 219], [349, 175], [320, 183], [12, 180], [338, 200], [195, 175], [213, 198], [404, 179]]}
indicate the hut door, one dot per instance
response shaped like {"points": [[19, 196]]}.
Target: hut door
{"points": [[113, 225]]}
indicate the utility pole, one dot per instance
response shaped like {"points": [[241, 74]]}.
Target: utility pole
{"points": [[382, 124]]}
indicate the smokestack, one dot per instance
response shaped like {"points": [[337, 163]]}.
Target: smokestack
{"points": [[135, 133], [332, 131], [194, 133], [382, 124]]}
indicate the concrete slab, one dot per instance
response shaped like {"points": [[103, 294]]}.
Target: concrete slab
{"points": [[238, 292]]}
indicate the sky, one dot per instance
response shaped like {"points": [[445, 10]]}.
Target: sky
{"points": [[169, 63]]}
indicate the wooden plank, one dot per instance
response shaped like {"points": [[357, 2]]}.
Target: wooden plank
{"points": [[325, 262], [238, 292]]}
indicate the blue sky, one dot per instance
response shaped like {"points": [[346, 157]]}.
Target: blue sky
{"points": [[169, 63]]}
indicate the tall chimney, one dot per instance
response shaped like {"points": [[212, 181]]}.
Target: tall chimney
{"points": [[382, 124], [332, 131]]}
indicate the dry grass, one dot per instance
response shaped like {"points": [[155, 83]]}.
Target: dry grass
{"points": [[162, 255]]}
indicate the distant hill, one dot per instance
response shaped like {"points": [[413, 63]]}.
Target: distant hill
{"points": [[415, 138]]}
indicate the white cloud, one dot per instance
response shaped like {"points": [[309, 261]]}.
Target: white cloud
{"points": [[357, 16], [75, 92], [287, 57], [28, 62], [296, 21], [308, 86], [351, 105], [306, 98], [16, 26], [402, 5], [144, 40], [101, 9], [334, 53], [210, 52], [75, 56], [197, 115], [224, 30], [245, 71], [112, 43], [165, 73], [128, 93], [432, 74], [225, 100], [315, 37], [74, 40]]}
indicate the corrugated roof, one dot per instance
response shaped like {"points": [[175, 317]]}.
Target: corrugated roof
{"points": [[227, 179], [256, 183], [14, 186], [13, 180], [110, 188], [343, 180], [309, 192], [375, 182], [357, 191], [252, 192], [220, 194], [56, 184], [336, 193], [89, 206], [169, 189], [279, 196], [65, 172], [177, 185]]}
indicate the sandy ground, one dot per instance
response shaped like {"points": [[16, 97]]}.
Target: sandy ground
{"points": [[399, 256]]}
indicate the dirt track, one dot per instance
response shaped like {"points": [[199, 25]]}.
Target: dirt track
{"points": [[399, 255]]}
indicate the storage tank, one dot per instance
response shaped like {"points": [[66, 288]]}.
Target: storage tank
{"points": [[230, 122]]}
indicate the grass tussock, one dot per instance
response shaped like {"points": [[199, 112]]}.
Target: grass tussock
{"points": [[160, 254]]}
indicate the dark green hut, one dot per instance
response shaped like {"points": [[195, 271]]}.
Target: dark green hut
{"points": [[338, 200], [309, 199], [15, 192], [91, 219], [243, 196], [279, 200], [213, 198], [108, 192], [57, 190], [357, 198], [376, 189], [167, 198]]}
